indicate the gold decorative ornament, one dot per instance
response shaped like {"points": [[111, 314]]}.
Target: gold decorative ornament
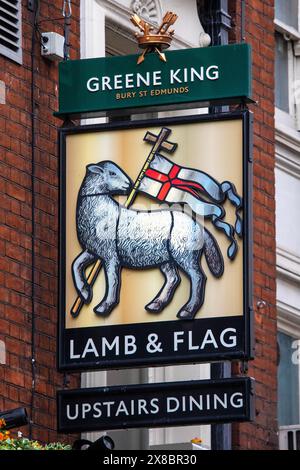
{"points": [[152, 40]]}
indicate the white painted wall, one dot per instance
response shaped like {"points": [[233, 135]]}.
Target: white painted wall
{"points": [[92, 29], [288, 211]]}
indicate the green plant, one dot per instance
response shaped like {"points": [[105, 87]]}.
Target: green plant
{"points": [[22, 443]]}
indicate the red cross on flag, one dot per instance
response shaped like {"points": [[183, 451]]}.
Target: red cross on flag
{"points": [[166, 181]]}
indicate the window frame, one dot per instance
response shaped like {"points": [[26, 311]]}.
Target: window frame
{"points": [[292, 36]]}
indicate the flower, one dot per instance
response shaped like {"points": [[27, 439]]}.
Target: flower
{"points": [[4, 435], [2, 423], [23, 443], [196, 440]]}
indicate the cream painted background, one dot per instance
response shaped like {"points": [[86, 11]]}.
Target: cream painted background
{"points": [[212, 147]]}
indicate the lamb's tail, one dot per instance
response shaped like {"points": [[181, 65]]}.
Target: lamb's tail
{"points": [[213, 255]]}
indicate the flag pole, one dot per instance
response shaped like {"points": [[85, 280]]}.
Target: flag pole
{"points": [[93, 274]]}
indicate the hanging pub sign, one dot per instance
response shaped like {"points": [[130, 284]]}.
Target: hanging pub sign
{"points": [[189, 78], [156, 405], [155, 242]]}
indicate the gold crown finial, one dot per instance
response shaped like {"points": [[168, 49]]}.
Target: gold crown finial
{"points": [[151, 40]]}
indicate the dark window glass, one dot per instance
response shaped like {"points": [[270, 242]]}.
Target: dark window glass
{"points": [[288, 382], [287, 12], [281, 73]]}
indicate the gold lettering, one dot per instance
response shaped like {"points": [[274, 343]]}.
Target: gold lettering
{"points": [[169, 91]]}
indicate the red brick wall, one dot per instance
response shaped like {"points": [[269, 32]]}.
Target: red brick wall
{"points": [[259, 32], [16, 225]]}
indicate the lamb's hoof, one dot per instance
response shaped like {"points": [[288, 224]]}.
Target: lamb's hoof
{"points": [[103, 309], [156, 306], [185, 315], [86, 294]]}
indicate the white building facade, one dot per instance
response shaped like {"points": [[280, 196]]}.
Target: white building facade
{"points": [[287, 135]]}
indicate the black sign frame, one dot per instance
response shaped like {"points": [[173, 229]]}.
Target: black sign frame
{"points": [[244, 324], [132, 395]]}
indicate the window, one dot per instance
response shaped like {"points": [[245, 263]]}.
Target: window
{"points": [[287, 12], [10, 29], [288, 380], [287, 63], [281, 73]]}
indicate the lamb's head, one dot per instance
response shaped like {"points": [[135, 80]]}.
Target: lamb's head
{"points": [[105, 178]]}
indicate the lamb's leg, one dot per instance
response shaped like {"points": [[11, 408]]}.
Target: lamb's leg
{"points": [[198, 281], [113, 283], [188, 261], [78, 267], [165, 295]]}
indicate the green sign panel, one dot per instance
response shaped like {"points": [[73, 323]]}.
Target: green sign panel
{"points": [[91, 87]]}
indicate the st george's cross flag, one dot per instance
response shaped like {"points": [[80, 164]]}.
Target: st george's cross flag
{"points": [[171, 183]]}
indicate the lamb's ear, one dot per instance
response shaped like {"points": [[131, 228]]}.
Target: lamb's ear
{"points": [[95, 169]]}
